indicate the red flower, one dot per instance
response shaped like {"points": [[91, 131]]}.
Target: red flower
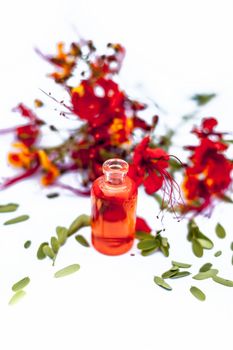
{"points": [[97, 103], [209, 173], [149, 166], [141, 225], [29, 133]]}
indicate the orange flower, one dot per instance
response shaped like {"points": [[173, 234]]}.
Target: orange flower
{"points": [[23, 157], [51, 172]]}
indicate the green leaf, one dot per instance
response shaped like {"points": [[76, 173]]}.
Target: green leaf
{"points": [[165, 250], [147, 244], [197, 293], [206, 244], [16, 220], [220, 231], [218, 253], [231, 245], [181, 274], [160, 282], [142, 235], [48, 251], [17, 297], [20, 284], [7, 208], [207, 274], [55, 244], [68, 270], [149, 251], [62, 234], [203, 99], [81, 221], [80, 239], [223, 281], [205, 267], [232, 260], [197, 248], [27, 244], [181, 265], [169, 273], [40, 253]]}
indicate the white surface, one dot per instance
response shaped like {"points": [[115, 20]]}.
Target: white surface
{"points": [[175, 49]]}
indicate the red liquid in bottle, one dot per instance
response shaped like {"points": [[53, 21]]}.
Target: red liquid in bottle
{"points": [[114, 199]]}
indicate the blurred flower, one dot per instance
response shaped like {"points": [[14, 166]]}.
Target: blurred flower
{"points": [[208, 173]]}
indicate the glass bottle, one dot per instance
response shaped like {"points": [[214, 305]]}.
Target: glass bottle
{"points": [[114, 199]]}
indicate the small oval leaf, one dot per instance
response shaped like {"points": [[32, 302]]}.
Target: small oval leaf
{"points": [[16, 220], [20, 284], [147, 244], [218, 253], [197, 248], [220, 231], [207, 274], [80, 239], [181, 274], [27, 244], [181, 265], [40, 253], [7, 208], [197, 293], [205, 267], [160, 282], [81, 221], [48, 251], [223, 281], [68, 270]]}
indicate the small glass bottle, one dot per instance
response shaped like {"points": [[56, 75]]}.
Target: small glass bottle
{"points": [[114, 199]]}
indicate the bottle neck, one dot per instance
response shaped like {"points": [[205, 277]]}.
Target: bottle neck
{"points": [[115, 171], [114, 178]]}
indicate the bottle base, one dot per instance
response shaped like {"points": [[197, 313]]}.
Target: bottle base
{"points": [[112, 245]]}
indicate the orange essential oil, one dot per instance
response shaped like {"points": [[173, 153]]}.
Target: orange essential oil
{"points": [[114, 199]]}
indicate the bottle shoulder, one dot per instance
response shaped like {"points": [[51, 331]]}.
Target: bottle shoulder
{"points": [[102, 189]]}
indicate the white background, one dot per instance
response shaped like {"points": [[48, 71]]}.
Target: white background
{"points": [[174, 49]]}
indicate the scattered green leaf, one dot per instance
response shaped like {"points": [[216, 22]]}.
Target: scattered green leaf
{"points": [[181, 274], [62, 234], [80, 239], [231, 245], [81, 221], [20, 284], [47, 250], [55, 245], [147, 244], [7, 208], [160, 282], [205, 267], [68, 270], [203, 99], [197, 293], [181, 265], [40, 252], [16, 220], [207, 274], [197, 248], [223, 281], [218, 253], [169, 273], [220, 231], [27, 244]]}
